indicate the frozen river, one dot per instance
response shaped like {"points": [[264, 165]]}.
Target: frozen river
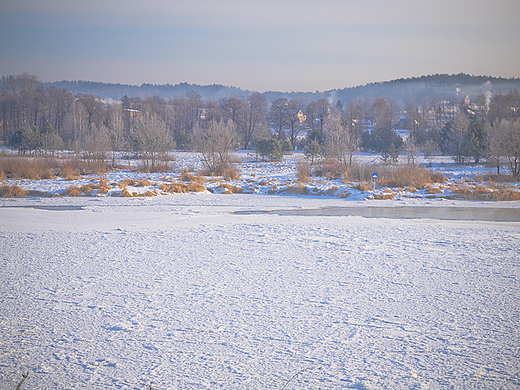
{"points": [[256, 292]]}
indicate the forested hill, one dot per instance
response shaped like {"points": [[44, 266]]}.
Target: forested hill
{"points": [[117, 91], [439, 86]]}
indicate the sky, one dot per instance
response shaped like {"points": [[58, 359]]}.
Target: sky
{"points": [[262, 45]]}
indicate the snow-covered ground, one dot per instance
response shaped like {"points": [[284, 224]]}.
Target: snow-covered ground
{"points": [[255, 291], [209, 291], [258, 177]]}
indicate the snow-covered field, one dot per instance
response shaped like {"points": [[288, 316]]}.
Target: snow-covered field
{"points": [[257, 291], [203, 291]]}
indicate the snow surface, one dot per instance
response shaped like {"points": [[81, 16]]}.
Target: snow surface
{"points": [[183, 292]]}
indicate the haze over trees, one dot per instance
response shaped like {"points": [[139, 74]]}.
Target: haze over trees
{"points": [[40, 117]]}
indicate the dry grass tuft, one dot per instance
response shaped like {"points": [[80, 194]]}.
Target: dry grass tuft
{"points": [[125, 193], [481, 192], [405, 176], [226, 188], [505, 194], [385, 195], [12, 191], [332, 191], [186, 176], [72, 191], [181, 188], [363, 187], [68, 170], [146, 193], [434, 190], [143, 183], [295, 190], [126, 182]]}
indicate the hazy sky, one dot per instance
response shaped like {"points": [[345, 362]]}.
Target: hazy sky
{"points": [[284, 45]]}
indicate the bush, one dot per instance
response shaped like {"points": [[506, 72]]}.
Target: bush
{"points": [[303, 171], [312, 151], [34, 168], [269, 148], [186, 176], [405, 176], [330, 168], [395, 176]]}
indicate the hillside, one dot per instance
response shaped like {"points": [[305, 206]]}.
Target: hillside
{"points": [[431, 87]]}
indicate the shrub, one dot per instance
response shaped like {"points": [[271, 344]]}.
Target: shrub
{"points": [[156, 167], [185, 175], [330, 168], [404, 176], [303, 171], [312, 151], [34, 168], [269, 148], [231, 172], [68, 170], [438, 177]]}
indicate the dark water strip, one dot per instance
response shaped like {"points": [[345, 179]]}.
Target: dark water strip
{"points": [[405, 212]]}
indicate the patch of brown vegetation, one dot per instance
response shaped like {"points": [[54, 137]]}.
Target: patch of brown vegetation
{"points": [[363, 187], [385, 195], [12, 191], [226, 188], [181, 188], [295, 190], [31, 168], [434, 190], [72, 191], [186, 176]]}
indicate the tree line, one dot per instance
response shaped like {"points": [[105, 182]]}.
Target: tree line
{"points": [[38, 117]]}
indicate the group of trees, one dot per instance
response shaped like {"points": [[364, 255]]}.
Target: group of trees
{"points": [[33, 116]]}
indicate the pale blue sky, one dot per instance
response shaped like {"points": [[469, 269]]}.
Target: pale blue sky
{"points": [[283, 45]]}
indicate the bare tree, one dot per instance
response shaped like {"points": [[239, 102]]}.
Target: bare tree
{"points": [[116, 127], [253, 118], [215, 143], [96, 144], [151, 138], [457, 135], [323, 111], [340, 141], [494, 136], [512, 146], [294, 126], [278, 117]]}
